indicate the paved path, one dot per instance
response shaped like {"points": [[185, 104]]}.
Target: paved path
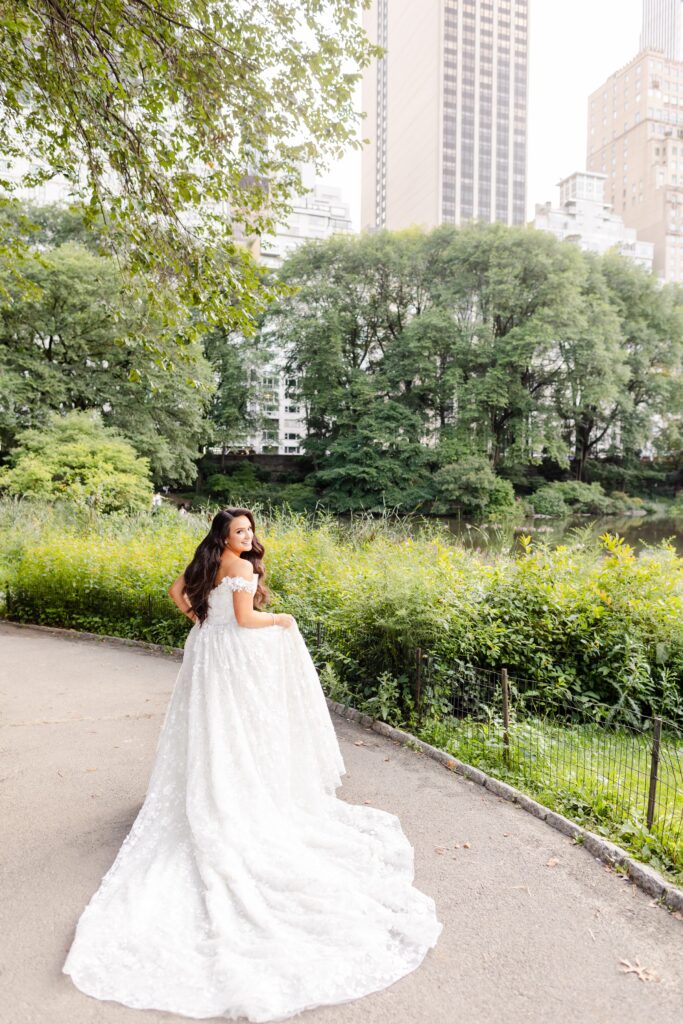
{"points": [[522, 941]]}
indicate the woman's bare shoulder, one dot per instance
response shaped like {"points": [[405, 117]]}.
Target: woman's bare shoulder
{"points": [[232, 566]]}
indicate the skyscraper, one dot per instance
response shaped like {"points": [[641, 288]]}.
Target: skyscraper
{"points": [[635, 138], [663, 27], [446, 113]]}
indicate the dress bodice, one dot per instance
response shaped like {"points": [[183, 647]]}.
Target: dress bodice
{"points": [[221, 607]]}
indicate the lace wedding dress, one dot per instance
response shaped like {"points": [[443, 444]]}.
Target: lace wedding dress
{"points": [[246, 887]]}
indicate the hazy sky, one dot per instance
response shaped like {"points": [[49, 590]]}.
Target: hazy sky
{"points": [[574, 45]]}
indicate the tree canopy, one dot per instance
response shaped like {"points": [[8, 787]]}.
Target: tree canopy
{"points": [[67, 346], [475, 349], [182, 124]]}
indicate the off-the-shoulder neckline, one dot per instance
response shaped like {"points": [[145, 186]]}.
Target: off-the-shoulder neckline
{"points": [[254, 577]]}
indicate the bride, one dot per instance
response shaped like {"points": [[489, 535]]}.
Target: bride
{"points": [[246, 887]]}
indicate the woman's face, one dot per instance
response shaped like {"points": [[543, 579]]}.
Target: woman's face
{"points": [[241, 535]]}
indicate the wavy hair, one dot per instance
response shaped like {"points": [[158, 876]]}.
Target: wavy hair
{"points": [[200, 574]]}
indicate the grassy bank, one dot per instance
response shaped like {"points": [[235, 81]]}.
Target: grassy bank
{"points": [[586, 625]]}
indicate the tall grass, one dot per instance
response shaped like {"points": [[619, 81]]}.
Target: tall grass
{"points": [[583, 618]]}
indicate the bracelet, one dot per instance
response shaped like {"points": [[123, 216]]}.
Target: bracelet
{"points": [[272, 617]]}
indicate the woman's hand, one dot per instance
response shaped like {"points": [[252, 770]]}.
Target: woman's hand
{"points": [[284, 620]]}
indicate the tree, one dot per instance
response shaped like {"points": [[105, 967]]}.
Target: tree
{"points": [[651, 324], [352, 299], [459, 326], [66, 346], [375, 460], [511, 292], [593, 387], [235, 361], [38, 227], [183, 124], [78, 459]]}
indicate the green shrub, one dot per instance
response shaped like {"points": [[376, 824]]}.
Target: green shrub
{"points": [[471, 486], [501, 500], [246, 486], [78, 459], [584, 498], [548, 501], [569, 497]]}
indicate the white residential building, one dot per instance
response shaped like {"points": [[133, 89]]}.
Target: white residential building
{"points": [[587, 220], [315, 216]]}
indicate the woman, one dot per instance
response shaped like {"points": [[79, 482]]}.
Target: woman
{"points": [[245, 887]]}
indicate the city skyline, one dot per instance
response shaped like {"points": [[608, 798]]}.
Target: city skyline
{"points": [[574, 45]]}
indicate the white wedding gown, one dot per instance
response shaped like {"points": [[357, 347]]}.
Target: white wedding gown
{"points": [[246, 887]]}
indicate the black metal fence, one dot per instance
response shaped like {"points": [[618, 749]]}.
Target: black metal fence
{"points": [[622, 768], [150, 617], [618, 770]]}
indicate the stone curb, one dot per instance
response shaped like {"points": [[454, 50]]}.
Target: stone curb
{"points": [[174, 653], [642, 875]]}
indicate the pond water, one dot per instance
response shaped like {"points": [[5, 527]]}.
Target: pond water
{"points": [[638, 531]]}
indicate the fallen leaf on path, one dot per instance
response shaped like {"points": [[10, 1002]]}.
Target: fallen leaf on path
{"points": [[678, 915], [359, 743], [552, 862], [466, 845], [644, 973], [591, 935], [456, 845], [387, 759], [521, 887], [438, 849], [507, 833], [91, 769]]}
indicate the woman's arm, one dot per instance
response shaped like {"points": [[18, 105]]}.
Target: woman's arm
{"points": [[246, 614], [177, 594]]}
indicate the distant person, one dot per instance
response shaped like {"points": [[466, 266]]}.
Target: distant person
{"points": [[156, 501], [246, 888]]}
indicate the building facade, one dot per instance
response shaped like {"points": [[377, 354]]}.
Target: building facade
{"points": [[663, 27], [318, 214], [281, 419], [585, 219], [635, 138], [446, 113]]}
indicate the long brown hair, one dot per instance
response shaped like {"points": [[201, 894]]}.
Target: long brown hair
{"points": [[200, 574]]}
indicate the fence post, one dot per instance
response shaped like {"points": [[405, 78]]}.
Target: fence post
{"points": [[318, 634], [506, 714], [418, 682], [654, 766]]}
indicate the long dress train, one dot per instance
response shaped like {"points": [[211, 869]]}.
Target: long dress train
{"points": [[246, 887]]}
